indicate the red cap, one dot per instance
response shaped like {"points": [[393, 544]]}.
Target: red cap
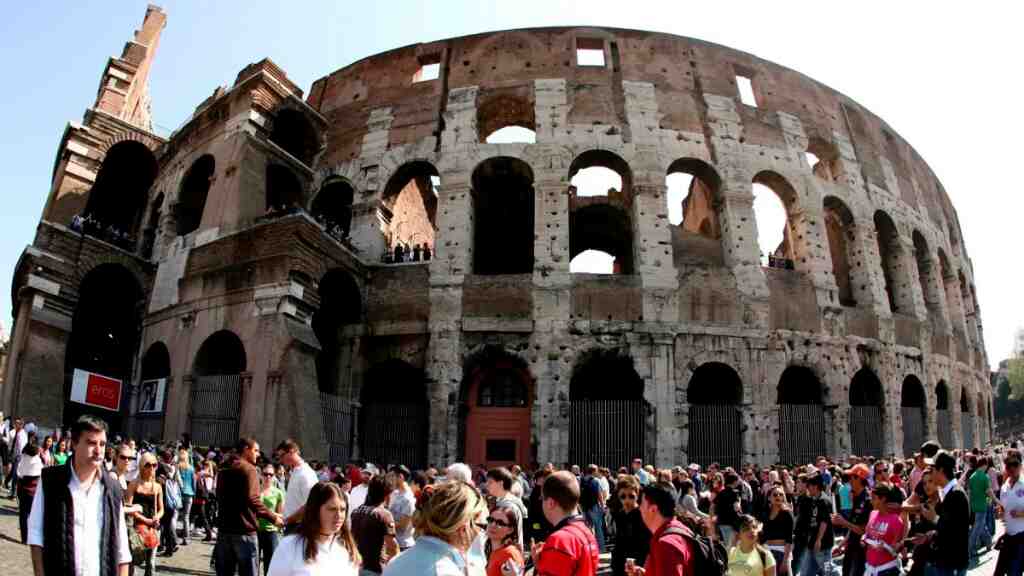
{"points": [[859, 470]]}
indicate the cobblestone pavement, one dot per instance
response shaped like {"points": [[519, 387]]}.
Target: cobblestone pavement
{"points": [[194, 559]]}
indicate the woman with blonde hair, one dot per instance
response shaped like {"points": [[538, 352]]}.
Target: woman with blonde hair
{"points": [[446, 527], [188, 491], [148, 494], [323, 544]]}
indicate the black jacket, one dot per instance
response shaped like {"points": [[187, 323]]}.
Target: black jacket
{"points": [[58, 522], [949, 548]]}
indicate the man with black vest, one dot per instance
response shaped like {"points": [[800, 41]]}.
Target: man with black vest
{"points": [[948, 555], [76, 525]]}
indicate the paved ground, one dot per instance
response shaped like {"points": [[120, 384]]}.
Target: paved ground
{"points": [[194, 559]]}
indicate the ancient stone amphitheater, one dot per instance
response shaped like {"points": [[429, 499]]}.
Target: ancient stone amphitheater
{"points": [[362, 270]]}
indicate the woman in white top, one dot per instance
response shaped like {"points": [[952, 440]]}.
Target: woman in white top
{"points": [[323, 545]]}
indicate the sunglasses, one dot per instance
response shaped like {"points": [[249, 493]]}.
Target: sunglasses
{"points": [[149, 465], [123, 457], [268, 474], [502, 523]]}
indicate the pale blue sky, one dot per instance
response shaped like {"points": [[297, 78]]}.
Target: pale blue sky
{"points": [[947, 79]]}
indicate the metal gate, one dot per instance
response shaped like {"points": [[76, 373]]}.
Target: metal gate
{"points": [[394, 434], [801, 433], [913, 429], [866, 430], [944, 422], [608, 433], [337, 416], [715, 435], [148, 427], [214, 405], [967, 427]]}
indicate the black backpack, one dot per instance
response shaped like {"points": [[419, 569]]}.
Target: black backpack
{"points": [[709, 556]]}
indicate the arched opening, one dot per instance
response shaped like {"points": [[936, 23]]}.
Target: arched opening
{"points": [[606, 388], [823, 158], [599, 212], [284, 192], [215, 399], [594, 262], [149, 235], [410, 211], [839, 228], [889, 251], [192, 196], [943, 417], [774, 197], [340, 305], [503, 199], [966, 421], [954, 304], [506, 119], [103, 341], [715, 393], [866, 414], [332, 207], [913, 411], [496, 430], [153, 393], [294, 134], [393, 417], [802, 427], [119, 193], [925, 269], [965, 297], [692, 186]]}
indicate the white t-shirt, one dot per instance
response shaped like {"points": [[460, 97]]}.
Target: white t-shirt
{"points": [[1012, 498], [403, 505], [331, 559], [357, 497], [300, 483]]}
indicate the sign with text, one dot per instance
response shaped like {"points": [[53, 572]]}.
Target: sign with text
{"points": [[95, 390], [151, 395]]}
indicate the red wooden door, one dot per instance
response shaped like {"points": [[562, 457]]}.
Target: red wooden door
{"points": [[498, 418]]}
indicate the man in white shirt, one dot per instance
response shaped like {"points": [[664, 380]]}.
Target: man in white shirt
{"points": [[87, 517], [18, 443], [357, 497], [300, 482], [402, 506]]}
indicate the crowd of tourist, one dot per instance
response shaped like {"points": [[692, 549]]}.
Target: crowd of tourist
{"points": [[405, 253], [277, 514], [92, 226]]}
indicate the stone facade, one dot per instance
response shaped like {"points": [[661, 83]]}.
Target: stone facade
{"points": [[879, 276]]}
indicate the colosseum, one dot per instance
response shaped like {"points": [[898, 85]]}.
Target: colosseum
{"points": [[360, 268]]}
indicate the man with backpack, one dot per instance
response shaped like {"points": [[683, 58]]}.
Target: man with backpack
{"points": [[675, 551], [570, 550]]}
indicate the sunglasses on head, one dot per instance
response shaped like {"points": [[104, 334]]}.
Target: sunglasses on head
{"points": [[502, 523]]}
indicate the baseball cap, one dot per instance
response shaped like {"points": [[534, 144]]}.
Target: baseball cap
{"points": [[929, 449], [859, 470]]}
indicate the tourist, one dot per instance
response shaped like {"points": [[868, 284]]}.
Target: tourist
{"points": [[300, 481], [30, 467], [167, 475], [499, 484], [99, 543], [358, 494], [727, 508], [323, 544], [60, 454], [239, 506], [373, 527], [206, 497], [268, 536], [688, 501], [46, 451], [19, 439], [670, 551], [923, 504], [446, 526], [748, 557], [590, 504], [537, 524], [632, 538], [948, 555], [640, 473], [1011, 510], [571, 548], [187, 478], [980, 490], [883, 535], [146, 494], [778, 531], [816, 527], [503, 549], [854, 558], [402, 506]]}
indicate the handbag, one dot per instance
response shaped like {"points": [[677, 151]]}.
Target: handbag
{"points": [[141, 540]]}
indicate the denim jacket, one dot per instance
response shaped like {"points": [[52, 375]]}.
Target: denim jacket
{"points": [[428, 557]]}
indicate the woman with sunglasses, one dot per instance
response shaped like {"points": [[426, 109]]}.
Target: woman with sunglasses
{"points": [[323, 544], [147, 493], [632, 537], [267, 534], [503, 548], [777, 535], [1011, 510]]}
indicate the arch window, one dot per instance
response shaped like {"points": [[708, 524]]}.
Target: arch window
{"points": [[774, 197], [925, 270], [294, 134], [802, 427], [215, 397], [605, 387], [889, 252], [840, 230], [221, 354], [913, 415], [284, 192], [503, 200], [192, 197], [943, 419], [410, 208], [866, 414], [119, 193], [506, 118], [599, 214], [332, 206], [692, 187], [954, 302], [340, 305], [823, 158]]}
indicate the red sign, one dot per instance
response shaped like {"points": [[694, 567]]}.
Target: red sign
{"points": [[96, 390]]}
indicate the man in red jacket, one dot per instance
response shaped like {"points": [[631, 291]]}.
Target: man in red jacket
{"points": [[571, 550], [670, 553]]}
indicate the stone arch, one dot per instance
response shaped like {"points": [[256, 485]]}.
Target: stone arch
{"points": [[803, 426], [409, 205], [118, 196], [913, 411], [332, 206], [283, 189], [967, 436], [295, 134], [954, 303], [495, 399], [503, 201], [829, 165], [699, 205], [222, 353], [217, 390], [393, 417], [104, 334], [925, 272], [340, 305], [867, 413], [192, 196], [840, 229], [789, 253], [151, 232], [502, 110], [602, 222], [943, 415], [714, 394], [890, 251]]}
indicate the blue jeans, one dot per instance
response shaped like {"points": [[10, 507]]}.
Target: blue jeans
{"points": [[990, 520], [932, 570], [236, 552], [818, 564], [186, 516], [728, 535], [980, 536], [595, 519]]}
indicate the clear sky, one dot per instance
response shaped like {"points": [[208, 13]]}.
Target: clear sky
{"points": [[947, 79]]}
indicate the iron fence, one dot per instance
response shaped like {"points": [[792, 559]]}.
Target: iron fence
{"points": [[913, 429], [715, 435], [967, 429], [866, 430], [801, 433], [214, 405], [394, 433], [608, 433], [337, 417], [944, 423]]}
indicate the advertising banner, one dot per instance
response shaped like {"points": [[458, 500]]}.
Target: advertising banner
{"points": [[96, 390], [151, 395]]}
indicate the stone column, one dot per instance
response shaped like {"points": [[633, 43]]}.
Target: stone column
{"points": [[652, 247]]}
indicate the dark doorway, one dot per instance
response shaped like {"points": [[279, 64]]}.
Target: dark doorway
{"points": [[610, 422], [715, 393], [503, 199], [394, 415], [802, 422]]}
